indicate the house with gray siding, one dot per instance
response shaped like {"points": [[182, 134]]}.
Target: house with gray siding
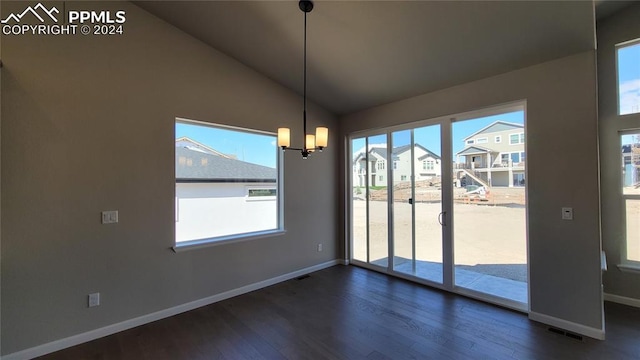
{"points": [[495, 155]]}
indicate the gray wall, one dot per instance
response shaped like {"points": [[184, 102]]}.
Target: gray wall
{"points": [[620, 27], [88, 125], [562, 139]]}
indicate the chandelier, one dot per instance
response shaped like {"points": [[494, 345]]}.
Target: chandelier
{"points": [[311, 142]]}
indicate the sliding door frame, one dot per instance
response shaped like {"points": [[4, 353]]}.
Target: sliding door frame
{"points": [[447, 200], [446, 153]]}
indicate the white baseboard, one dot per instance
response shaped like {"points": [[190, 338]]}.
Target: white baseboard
{"points": [[622, 300], [568, 325], [145, 319], [344, 261]]}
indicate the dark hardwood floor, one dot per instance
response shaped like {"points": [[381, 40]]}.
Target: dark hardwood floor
{"points": [[346, 312]]}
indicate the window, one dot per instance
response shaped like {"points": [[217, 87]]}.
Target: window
{"points": [[516, 139], [380, 178], [470, 142], [424, 165], [628, 58], [261, 193], [380, 165], [482, 140], [630, 161], [429, 165], [497, 139], [395, 165], [513, 158], [403, 177], [227, 183]]}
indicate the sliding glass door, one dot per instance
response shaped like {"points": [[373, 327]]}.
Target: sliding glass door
{"points": [[417, 202], [369, 196], [443, 202], [489, 206]]}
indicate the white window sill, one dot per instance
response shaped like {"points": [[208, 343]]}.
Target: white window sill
{"points": [[629, 268], [204, 243]]}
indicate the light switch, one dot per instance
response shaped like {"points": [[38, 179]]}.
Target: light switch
{"points": [[94, 299], [567, 213]]}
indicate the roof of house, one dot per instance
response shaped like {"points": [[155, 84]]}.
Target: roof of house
{"points": [[382, 152], [186, 142], [473, 150], [495, 127], [428, 154], [197, 166]]}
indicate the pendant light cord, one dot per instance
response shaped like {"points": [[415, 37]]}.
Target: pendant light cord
{"points": [[304, 111]]}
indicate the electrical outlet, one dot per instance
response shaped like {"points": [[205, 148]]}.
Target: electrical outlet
{"points": [[319, 247], [94, 299], [567, 213], [110, 217]]}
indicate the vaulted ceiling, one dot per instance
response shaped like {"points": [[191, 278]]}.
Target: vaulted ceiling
{"points": [[367, 53]]}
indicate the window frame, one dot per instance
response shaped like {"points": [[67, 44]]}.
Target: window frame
{"points": [[625, 263], [279, 230], [497, 139], [482, 140], [251, 188], [431, 165], [520, 139], [622, 45]]}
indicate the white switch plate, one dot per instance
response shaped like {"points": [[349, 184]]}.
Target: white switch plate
{"points": [[567, 213], [94, 299], [319, 247], [110, 217]]}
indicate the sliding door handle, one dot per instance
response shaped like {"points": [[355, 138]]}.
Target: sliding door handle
{"points": [[410, 200], [442, 218]]}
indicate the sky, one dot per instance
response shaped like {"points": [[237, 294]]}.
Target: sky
{"points": [[429, 136], [629, 79], [629, 139], [250, 147]]}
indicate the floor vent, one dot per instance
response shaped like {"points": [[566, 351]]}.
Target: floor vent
{"points": [[556, 331], [566, 333], [303, 277], [574, 336]]}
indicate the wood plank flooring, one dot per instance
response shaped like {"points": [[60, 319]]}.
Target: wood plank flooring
{"points": [[345, 312]]}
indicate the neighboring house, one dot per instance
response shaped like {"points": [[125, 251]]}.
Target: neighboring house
{"points": [[495, 155], [426, 165], [212, 188], [631, 164]]}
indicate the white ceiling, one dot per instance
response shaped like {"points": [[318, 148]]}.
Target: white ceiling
{"points": [[366, 53]]}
